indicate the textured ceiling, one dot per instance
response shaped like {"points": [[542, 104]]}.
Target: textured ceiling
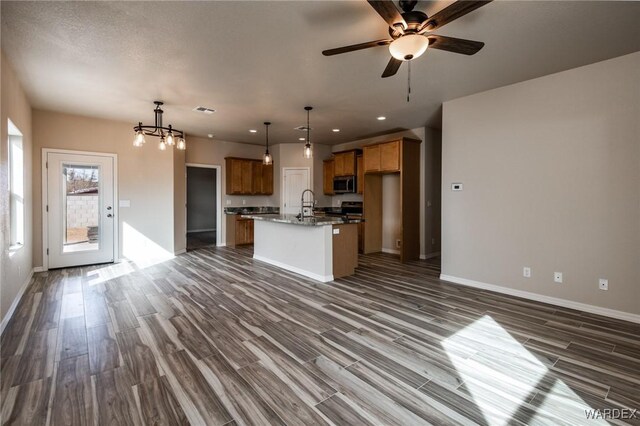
{"points": [[257, 61]]}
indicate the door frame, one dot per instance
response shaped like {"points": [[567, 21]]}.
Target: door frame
{"points": [[283, 186], [219, 208], [45, 197]]}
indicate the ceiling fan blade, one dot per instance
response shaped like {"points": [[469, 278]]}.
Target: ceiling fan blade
{"points": [[456, 45], [355, 47], [392, 68], [451, 13], [389, 13]]}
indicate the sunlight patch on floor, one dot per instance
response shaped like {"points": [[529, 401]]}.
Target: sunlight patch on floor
{"points": [[502, 376], [140, 249]]}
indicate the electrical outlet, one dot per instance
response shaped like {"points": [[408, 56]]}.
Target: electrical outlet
{"points": [[526, 272], [228, 202], [433, 241], [557, 277], [603, 284], [244, 202], [398, 243], [429, 203]]}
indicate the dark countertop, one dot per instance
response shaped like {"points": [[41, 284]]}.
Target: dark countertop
{"points": [[307, 221], [251, 210]]}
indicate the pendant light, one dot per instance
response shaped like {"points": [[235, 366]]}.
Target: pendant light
{"points": [[267, 159], [168, 135], [307, 153]]}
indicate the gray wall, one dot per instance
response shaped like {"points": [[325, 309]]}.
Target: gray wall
{"points": [[201, 199], [551, 174]]}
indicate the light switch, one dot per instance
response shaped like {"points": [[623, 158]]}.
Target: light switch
{"points": [[125, 203]]}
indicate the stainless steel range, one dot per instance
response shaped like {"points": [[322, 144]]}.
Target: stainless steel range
{"points": [[348, 210]]}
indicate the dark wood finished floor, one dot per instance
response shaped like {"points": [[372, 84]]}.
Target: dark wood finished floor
{"points": [[214, 337]]}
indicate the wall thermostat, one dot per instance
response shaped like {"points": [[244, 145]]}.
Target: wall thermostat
{"points": [[456, 187]]}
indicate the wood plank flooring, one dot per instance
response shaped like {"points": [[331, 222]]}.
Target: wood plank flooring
{"points": [[213, 337]]}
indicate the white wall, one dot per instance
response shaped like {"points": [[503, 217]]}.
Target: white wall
{"points": [[15, 264], [391, 223], [551, 174]]}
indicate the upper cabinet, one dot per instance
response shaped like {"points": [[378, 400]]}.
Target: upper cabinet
{"points": [[328, 173], [382, 157], [345, 163], [246, 176]]}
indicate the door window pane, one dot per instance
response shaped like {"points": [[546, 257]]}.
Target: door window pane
{"points": [[16, 185], [81, 203]]}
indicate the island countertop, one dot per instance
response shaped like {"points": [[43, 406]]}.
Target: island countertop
{"points": [[307, 221]]}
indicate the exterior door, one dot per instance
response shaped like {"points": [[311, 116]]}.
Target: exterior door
{"points": [[81, 216], [295, 181]]}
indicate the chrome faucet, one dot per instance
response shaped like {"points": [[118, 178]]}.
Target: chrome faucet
{"points": [[309, 204]]}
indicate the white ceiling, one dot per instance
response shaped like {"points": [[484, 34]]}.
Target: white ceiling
{"points": [[261, 60]]}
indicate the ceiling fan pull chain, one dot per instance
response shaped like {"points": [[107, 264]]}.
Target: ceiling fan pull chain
{"points": [[409, 82]]}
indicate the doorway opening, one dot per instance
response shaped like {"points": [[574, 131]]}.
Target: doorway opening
{"points": [[203, 206]]}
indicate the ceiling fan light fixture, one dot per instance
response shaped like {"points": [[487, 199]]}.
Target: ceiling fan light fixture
{"points": [[408, 47]]}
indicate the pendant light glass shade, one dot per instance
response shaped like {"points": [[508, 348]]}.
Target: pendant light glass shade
{"points": [[162, 145], [182, 144], [170, 139], [267, 159], [138, 139], [307, 152], [408, 47]]}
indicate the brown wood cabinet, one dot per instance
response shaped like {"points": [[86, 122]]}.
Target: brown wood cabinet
{"points": [[246, 176], [360, 174], [327, 176], [382, 157], [345, 163], [239, 230]]}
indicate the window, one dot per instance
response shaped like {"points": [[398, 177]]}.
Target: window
{"points": [[16, 185]]}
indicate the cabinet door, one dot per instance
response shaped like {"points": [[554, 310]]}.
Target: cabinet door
{"points": [[349, 163], [234, 176], [327, 176], [267, 179], [247, 170], [250, 231], [360, 174], [371, 158], [241, 232], [390, 156], [256, 177], [338, 165]]}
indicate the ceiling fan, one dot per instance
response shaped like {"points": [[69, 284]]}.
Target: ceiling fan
{"points": [[410, 30]]}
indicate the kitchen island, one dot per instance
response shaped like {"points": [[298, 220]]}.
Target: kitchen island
{"points": [[321, 248]]}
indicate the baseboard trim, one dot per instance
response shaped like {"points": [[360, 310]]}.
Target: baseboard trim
{"points": [[429, 256], [16, 301], [612, 313], [184, 250], [39, 269], [192, 231], [390, 251], [313, 276]]}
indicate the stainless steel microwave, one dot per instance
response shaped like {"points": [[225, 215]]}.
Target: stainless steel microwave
{"points": [[344, 185]]}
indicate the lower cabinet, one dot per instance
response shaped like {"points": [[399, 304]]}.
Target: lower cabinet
{"points": [[239, 230]]}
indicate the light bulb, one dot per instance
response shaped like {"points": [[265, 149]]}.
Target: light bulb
{"points": [[267, 159], [307, 151], [138, 139], [408, 47], [163, 145], [170, 139], [182, 144]]}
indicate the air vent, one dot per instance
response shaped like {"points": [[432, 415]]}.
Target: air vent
{"points": [[204, 110], [302, 128]]}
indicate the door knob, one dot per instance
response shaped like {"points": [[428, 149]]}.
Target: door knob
{"points": [[109, 215], [108, 207]]}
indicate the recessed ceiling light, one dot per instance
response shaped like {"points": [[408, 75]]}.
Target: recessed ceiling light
{"points": [[336, 130], [253, 131], [382, 118], [301, 139], [210, 135]]}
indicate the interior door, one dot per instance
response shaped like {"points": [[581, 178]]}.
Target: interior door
{"points": [[81, 214], [295, 181]]}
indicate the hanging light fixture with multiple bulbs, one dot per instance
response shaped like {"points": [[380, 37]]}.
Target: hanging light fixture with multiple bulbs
{"points": [[168, 135], [267, 159], [307, 153]]}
